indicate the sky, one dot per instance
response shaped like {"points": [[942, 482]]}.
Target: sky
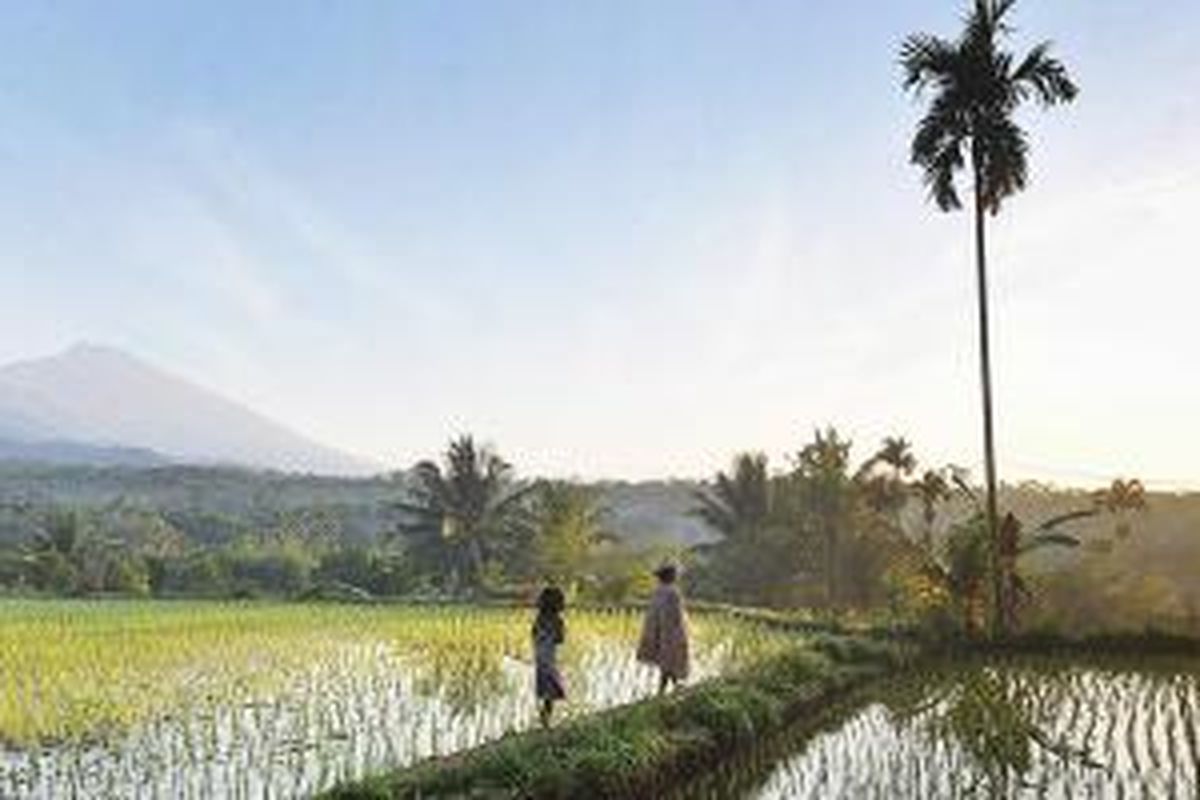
{"points": [[613, 239]]}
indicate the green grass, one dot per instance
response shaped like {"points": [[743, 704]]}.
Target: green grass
{"points": [[292, 695], [642, 750]]}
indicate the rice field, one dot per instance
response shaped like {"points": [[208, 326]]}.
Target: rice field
{"points": [[1030, 728], [213, 700]]}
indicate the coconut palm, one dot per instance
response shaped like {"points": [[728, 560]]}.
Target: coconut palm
{"points": [[740, 505], [976, 87], [739, 502], [463, 512]]}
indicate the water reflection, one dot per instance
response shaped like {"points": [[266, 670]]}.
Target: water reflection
{"points": [[1027, 728], [347, 703]]}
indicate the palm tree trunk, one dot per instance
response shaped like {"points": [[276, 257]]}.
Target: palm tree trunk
{"points": [[831, 581], [475, 556], [989, 450]]}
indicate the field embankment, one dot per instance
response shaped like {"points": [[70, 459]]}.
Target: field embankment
{"points": [[643, 750]]}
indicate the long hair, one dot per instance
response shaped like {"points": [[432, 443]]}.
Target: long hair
{"points": [[550, 604], [551, 601]]}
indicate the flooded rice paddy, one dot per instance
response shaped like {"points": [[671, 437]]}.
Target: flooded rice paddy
{"points": [[1022, 728], [204, 700]]}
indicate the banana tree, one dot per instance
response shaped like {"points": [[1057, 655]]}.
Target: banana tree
{"points": [[1015, 543]]}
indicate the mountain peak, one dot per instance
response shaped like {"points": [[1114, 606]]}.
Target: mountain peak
{"points": [[79, 354], [96, 394], [87, 349]]}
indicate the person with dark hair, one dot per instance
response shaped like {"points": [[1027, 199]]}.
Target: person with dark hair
{"points": [[664, 640], [549, 632]]}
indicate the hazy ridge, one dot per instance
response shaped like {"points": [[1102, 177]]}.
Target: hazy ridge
{"points": [[94, 404]]}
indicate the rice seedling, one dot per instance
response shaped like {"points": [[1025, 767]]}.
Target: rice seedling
{"points": [[1026, 728], [196, 699]]}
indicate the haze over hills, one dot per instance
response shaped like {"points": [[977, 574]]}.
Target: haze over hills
{"points": [[95, 404]]}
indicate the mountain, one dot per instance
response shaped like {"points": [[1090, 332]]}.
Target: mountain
{"points": [[96, 404]]}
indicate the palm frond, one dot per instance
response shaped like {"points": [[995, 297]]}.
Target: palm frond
{"points": [[938, 148], [976, 89], [713, 512], [927, 60], [1045, 77], [1062, 519], [1002, 153], [959, 477], [1048, 540]]}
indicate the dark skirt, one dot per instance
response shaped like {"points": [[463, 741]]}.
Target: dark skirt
{"points": [[549, 683]]}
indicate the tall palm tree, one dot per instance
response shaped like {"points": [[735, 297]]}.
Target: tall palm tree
{"points": [[976, 87], [822, 471], [462, 512]]}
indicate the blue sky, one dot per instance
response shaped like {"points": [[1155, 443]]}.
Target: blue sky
{"points": [[615, 239]]}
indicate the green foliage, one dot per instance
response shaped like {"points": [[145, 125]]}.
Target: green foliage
{"points": [[968, 565], [756, 558], [620, 575], [638, 750], [377, 571], [822, 533], [902, 543], [52, 571], [567, 529], [463, 513], [128, 576]]}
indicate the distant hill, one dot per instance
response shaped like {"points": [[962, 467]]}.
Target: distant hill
{"points": [[648, 513], [71, 453], [99, 405], [655, 512]]}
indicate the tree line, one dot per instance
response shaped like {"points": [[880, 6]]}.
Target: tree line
{"points": [[828, 532], [822, 531], [464, 527]]}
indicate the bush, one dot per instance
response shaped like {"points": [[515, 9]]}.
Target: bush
{"points": [[128, 576]]}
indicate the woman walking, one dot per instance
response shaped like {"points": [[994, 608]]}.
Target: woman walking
{"points": [[664, 641]]}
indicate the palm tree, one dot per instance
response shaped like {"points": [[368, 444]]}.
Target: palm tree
{"points": [[931, 490], [830, 492], [887, 492], [740, 505], [739, 502], [896, 453], [976, 88], [462, 512]]}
